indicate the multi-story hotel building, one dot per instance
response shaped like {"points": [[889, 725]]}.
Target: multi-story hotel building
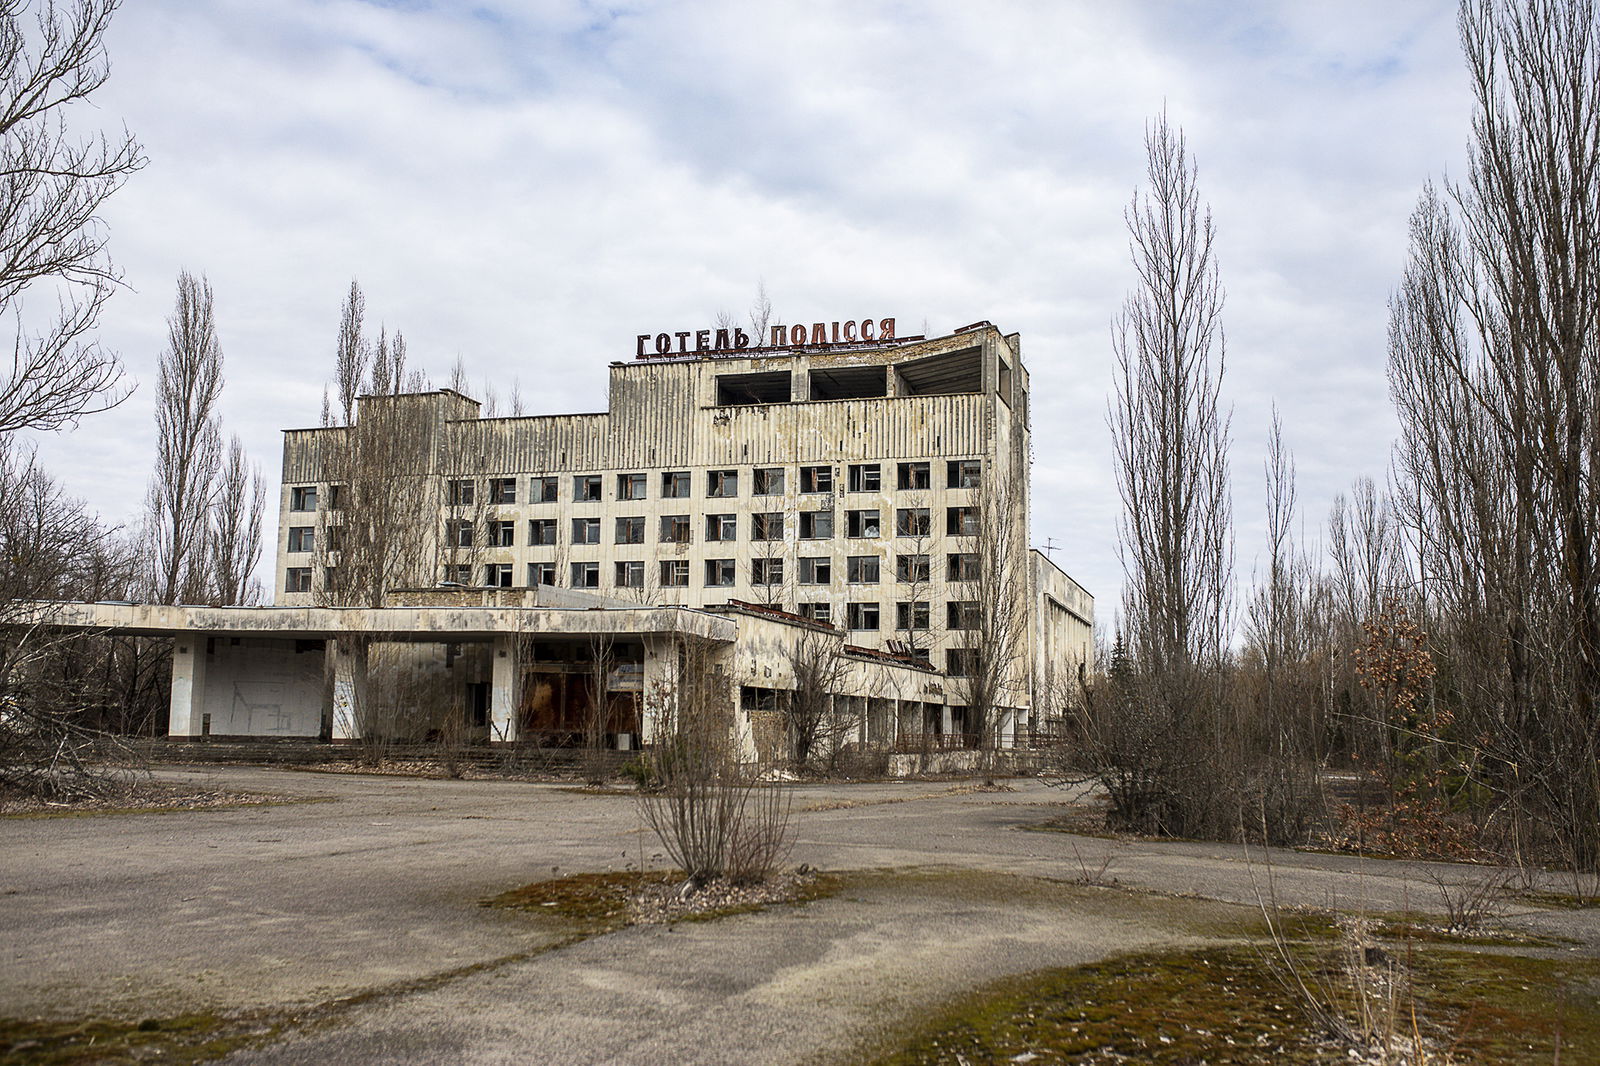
{"points": [[878, 486]]}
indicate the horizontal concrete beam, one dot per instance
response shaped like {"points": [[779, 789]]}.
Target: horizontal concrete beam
{"points": [[420, 624]]}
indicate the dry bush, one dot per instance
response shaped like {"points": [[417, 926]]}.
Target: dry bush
{"points": [[714, 817]]}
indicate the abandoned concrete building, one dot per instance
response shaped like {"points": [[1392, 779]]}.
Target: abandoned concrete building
{"points": [[878, 487], [862, 500]]}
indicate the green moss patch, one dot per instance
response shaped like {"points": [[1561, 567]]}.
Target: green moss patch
{"points": [[596, 903], [187, 1038], [1224, 1005]]}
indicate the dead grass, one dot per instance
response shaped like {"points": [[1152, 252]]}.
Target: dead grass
{"points": [[148, 798]]}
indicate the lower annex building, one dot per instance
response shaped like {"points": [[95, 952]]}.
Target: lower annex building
{"points": [[837, 480]]}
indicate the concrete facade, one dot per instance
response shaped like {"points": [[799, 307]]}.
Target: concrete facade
{"points": [[843, 483], [336, 672]]}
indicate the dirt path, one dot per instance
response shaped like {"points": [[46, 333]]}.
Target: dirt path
{"points": [[377, 885]]}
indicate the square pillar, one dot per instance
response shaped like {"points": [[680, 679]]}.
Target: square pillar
{"points": [[505, 691], [349, 688], [188, 685]]}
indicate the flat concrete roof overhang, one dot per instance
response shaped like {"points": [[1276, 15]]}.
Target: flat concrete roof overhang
{"points": [[417, 624]]}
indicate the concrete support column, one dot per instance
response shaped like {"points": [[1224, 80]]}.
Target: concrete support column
{"points": [[661, 664], [505, 691], [947, 720], [349, 688], [188, 685]]}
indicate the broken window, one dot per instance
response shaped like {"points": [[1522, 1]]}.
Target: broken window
{"points": [[960, 662], [461, 493], [675, 529], [767, 481], [302, 539], [497, 575], [816, 479], [911, 568], [962, 566], [719, 572], [961, 614], [861, 523], [912, 522], [961, 521], [675, 485], [297, 579], [630, 530], [458, 574], [862, 569], [911, 615], [459, 534], [766, 525], [541, 574], [586, 488], [963, 473], [865, 477], [335, 497], [849, 382], [541, 531], [766, 571], [722, 483], [913, 476], [502, 533], [816, 570], [942, 374], [585, 575], [816, 525], [861, 615], [674, 573], [543, 489], [721, 527], [303, 498], [630, 486], [586, 531], [737, 390], [817, 612], [502, 490], [630, 575]]}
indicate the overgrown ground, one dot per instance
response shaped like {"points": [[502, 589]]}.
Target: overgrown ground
{"points": [[1228, 1005], [294, 933]]}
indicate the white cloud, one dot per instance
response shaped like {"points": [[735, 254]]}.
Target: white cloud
{"points": [[531, 185]]}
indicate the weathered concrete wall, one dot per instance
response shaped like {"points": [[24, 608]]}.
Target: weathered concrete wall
{"points": [[258, 686], [664, 416]]}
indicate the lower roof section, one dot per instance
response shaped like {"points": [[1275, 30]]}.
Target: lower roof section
{"points": [[433, 624]]}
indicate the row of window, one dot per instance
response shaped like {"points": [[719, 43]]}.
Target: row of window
{"points": [[677, 484], [677, 529], [719, 573], [910, 615]]}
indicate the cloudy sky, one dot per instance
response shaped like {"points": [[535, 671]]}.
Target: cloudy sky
{"points": [[529, 185]]}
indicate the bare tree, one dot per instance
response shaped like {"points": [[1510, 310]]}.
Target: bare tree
{"points": [[53, 240], [816, 728], [55, 690], [1284, 735], [995, 670], [383, 533], [1493, 371], [915, 533], [241, 500], [188, 448], [350, 354], [1170, 439], [1170, 432]]}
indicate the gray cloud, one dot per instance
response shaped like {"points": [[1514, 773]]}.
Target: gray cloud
{"points": [[528, 186]]}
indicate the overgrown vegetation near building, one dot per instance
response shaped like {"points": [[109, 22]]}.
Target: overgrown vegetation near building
{"points": [[1445, 663]]}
